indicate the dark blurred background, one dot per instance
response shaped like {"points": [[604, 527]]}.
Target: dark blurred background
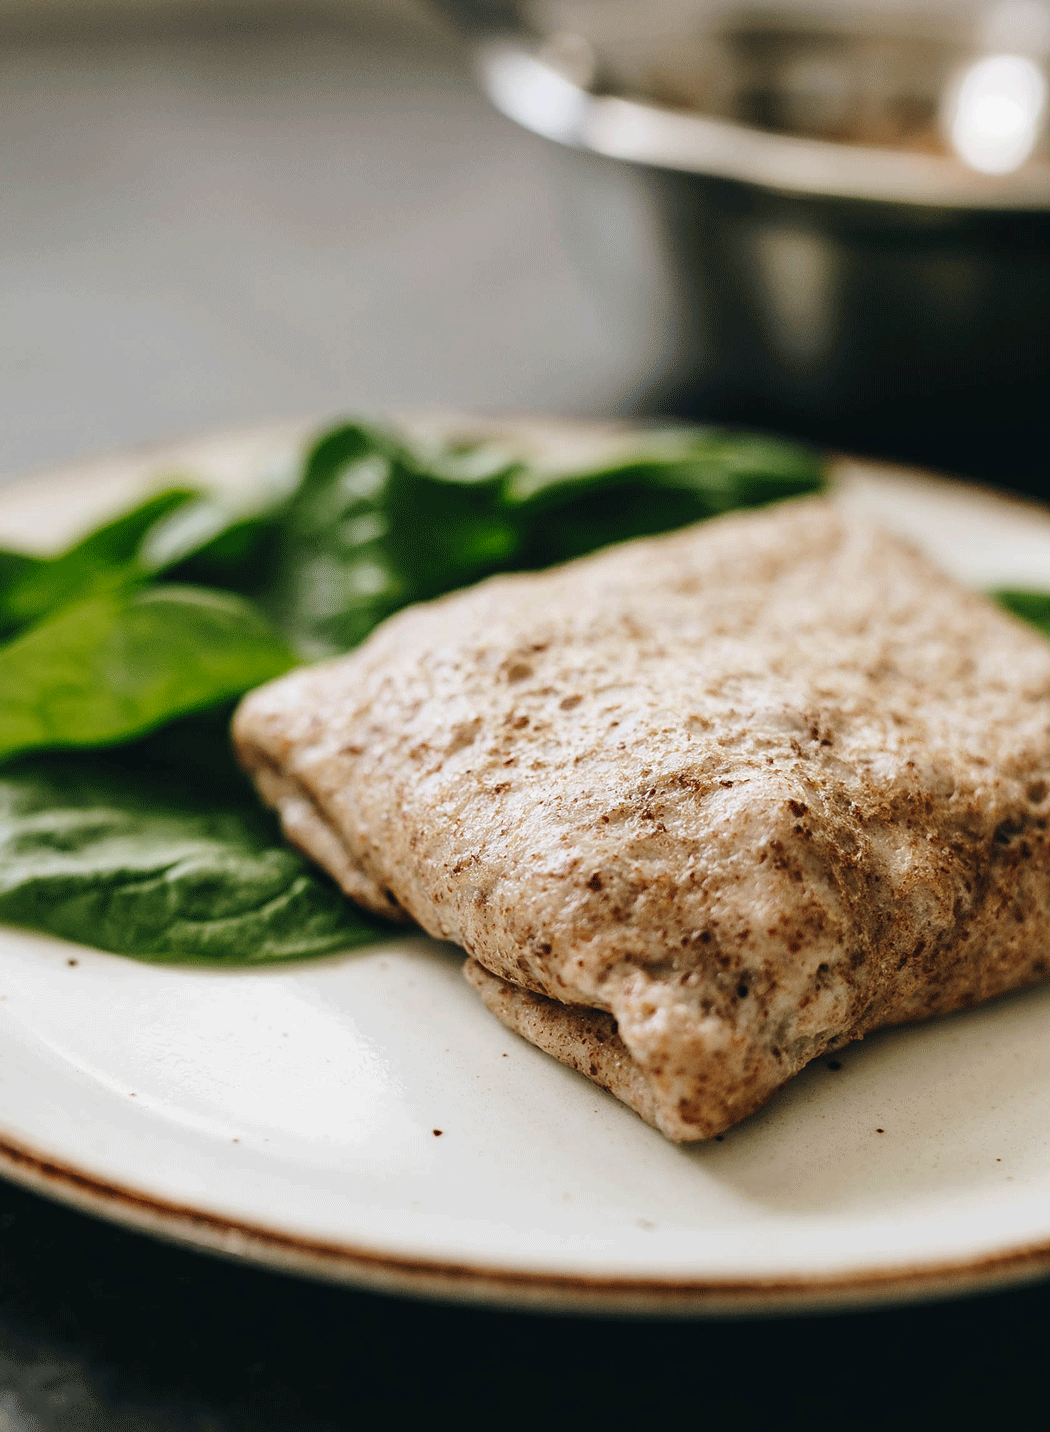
{"points": [[839, 211], [106, 1331]]}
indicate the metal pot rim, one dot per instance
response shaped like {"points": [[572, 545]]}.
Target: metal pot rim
{"points": [[536, 96]]}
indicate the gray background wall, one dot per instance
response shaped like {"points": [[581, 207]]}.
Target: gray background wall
{"points": [[208, 217]]}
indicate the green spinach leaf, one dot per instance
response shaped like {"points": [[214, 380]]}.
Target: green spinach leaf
{"points": [[142, 866], [15, 566], [118, 665], [669, 480], [106, 559], [195, 749], [1032, 607], [371, 528], [208, 543], [377, 523]]}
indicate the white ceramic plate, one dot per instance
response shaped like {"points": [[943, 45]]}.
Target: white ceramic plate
{"points": [[362, 1118]]}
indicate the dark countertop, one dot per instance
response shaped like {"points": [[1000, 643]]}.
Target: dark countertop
{"points": [[107, 1331]]}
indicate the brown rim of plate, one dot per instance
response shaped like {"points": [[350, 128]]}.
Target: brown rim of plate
{"points": [[511, 1289]]}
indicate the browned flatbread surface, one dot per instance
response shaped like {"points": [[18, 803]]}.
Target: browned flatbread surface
{"points": [[700, 807]]}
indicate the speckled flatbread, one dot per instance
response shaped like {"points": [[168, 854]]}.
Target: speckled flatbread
{"points": [[699, 807]]}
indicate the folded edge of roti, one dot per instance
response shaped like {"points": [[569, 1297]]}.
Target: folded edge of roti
{"points": [[584, 1039], [700, 807]]}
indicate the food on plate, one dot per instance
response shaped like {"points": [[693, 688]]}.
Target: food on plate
{"points": [[139, 636], [699, 808]]}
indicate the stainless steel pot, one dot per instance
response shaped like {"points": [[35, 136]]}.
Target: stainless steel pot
{"points": [[847, 232]]}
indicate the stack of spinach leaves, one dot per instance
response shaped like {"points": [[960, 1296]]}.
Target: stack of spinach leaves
{"points": [[124, 821]]}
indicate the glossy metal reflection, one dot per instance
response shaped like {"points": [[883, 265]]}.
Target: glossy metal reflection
{"points": [[996, 113], [888, 300]]}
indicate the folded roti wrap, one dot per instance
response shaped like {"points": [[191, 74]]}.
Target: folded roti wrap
{"points": [[699, 807]]}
